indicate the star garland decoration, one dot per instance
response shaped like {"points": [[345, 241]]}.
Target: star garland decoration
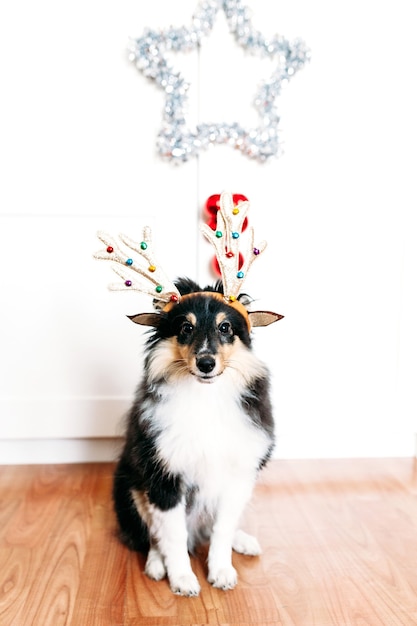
{"points": [[176, 142]]}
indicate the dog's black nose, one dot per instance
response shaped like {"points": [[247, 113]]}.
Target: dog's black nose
{"points": [[206, 363]]}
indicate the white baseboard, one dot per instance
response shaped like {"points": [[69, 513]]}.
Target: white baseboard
{"points": [[38, 451], [346, 444], [94, 450]]}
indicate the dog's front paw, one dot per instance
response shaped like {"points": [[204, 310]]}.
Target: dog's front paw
{"points": [[185, 585], [223, 578], [246, 544]]}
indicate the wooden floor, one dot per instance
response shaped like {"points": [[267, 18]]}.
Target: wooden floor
{"points": [[339, 548]]}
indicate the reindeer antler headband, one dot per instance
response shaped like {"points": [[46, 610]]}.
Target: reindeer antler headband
{"points": [[227, 244], [145, 275]]}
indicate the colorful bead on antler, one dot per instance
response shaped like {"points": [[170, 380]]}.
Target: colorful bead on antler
{"points": [[153, 281], [227, 244]]}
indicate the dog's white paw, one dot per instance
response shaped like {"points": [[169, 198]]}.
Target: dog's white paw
{"points": [[155, 567], [246, 544], [224, 578], [185, 585]]}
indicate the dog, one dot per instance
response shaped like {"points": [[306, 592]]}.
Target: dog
{"points": [[199, 431]]}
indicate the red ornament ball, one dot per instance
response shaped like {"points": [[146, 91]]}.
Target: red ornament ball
{"points": [[213, 205]]}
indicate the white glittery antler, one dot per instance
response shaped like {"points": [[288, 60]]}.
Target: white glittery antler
{"points": [[226, 240], [153, 281]]}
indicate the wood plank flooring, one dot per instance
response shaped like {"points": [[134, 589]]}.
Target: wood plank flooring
{"points": [[339, 545]]}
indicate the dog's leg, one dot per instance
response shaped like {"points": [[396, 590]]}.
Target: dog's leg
{"points": [[155, 566], [246, 544], [222, 574], [168, 529]]}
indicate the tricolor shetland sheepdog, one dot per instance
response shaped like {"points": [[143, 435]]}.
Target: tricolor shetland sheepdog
{"points": [[199, 431]]}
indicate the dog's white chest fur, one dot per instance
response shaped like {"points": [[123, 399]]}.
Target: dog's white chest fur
{"points": [[205, 435]]}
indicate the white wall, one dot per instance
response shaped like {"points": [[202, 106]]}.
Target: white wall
{"points": [[78, 126]]}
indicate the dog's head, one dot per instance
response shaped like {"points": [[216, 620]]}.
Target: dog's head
{"points": [[201, 335]]}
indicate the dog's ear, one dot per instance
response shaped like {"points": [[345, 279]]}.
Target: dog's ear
{"points": [[146, 319], [263, 318]]}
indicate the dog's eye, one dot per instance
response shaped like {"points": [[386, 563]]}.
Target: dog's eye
{"points": [[187, 328], [225, 328]]}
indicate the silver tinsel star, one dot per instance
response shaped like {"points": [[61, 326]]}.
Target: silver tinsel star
{"points": [[176, 141]]}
